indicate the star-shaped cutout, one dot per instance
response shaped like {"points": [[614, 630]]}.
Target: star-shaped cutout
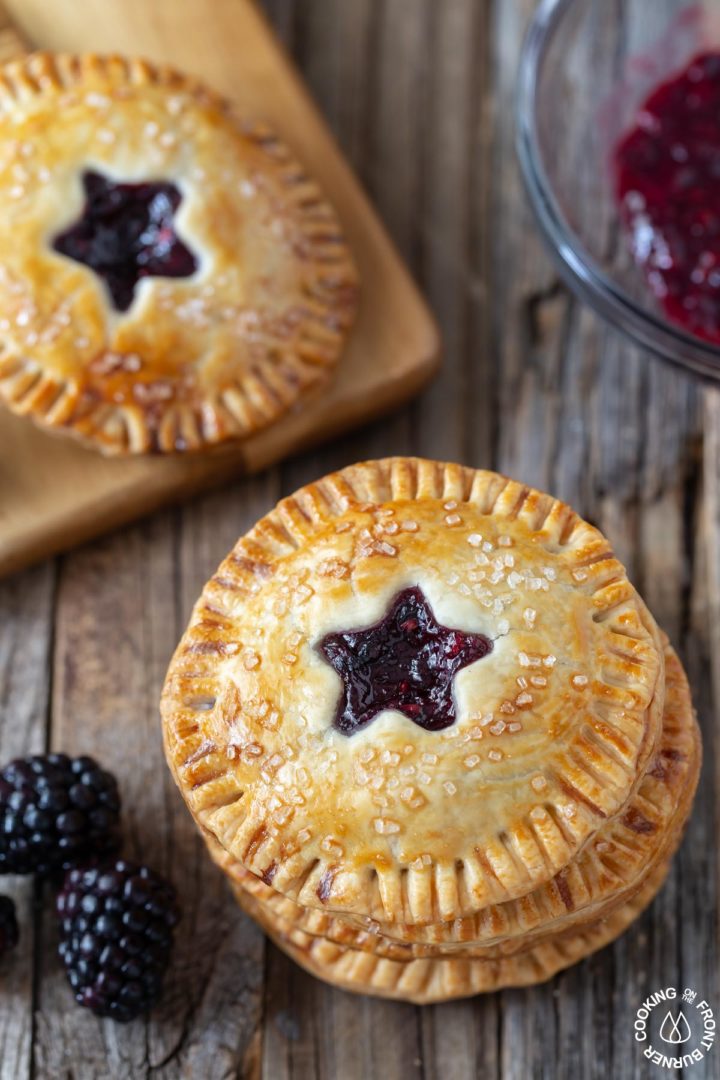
{"points": [[126, 233], [407, 662]]}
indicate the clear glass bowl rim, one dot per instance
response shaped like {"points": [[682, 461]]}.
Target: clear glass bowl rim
{"points": [[581, 272]]}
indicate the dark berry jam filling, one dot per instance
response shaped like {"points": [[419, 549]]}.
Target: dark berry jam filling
{"points": [[667, 180], [126, 233], [407, 662]]}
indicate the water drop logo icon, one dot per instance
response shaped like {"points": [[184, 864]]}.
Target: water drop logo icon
{"points": [[676, 1029]]}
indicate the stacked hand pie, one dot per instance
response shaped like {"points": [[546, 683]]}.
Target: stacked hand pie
{"points": [[430, 732]]}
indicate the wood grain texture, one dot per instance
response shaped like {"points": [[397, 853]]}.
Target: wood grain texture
{"points": [[59, 493], [27, 604], [419, 94]]}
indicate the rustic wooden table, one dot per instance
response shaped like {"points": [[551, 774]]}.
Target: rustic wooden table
{"points": [[420, 95]]}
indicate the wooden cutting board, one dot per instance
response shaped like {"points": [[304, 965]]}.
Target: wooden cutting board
{"points": [[53, 493]]}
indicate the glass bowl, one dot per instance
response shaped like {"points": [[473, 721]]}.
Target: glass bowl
{"points": [[586, 67]]}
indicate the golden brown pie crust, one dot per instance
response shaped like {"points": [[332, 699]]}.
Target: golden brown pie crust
{"points": [[433, 980], [606, 873], [194, 361], [554, 730]]}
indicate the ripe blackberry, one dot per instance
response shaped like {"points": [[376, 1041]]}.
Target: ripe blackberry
{"points": [[55, 811], [9, 934], [116, 932]]}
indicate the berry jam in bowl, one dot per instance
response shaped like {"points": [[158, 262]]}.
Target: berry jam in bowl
{"points": [[618, 136]]}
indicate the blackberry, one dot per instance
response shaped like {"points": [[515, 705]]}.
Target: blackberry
{"points": [[54, 812], [8, 925], [116, 932]]}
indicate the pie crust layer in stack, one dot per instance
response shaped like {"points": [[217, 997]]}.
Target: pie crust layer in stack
{"points": [[430, 732], [171, 277]]}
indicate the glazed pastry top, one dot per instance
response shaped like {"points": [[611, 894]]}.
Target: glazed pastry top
{"points": [[169, 277], [413, 690]]}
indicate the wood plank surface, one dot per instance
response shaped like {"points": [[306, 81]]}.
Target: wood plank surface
{"points": [[58, 492], [420, 95]]}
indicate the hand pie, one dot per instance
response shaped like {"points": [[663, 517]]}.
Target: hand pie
{"points": [[421, 712], [170, 278], [609, 871]]}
